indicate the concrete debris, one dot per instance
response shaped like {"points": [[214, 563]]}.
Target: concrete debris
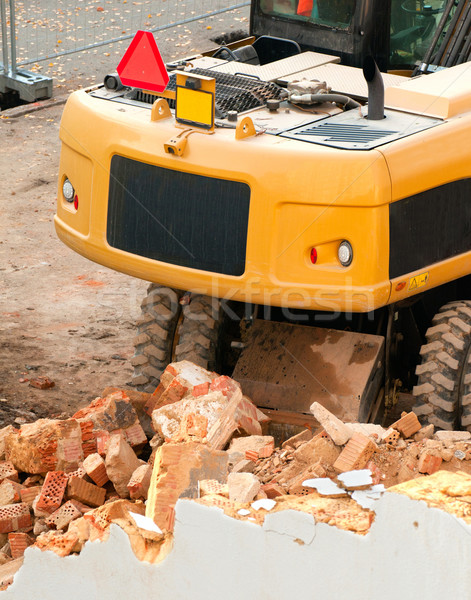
{"points": [[64, 482], [338, 431], [243, 487]]}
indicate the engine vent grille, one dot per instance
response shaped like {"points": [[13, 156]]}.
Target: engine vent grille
{"points": [[332, 132], [233, 92], [352, 131]]}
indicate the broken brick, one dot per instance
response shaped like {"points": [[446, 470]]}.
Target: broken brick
{"points": [[42, 382], [60, 543], [52, 493], [356, 453], [193, 427], [87, 493], [8, 471], [429, 463], [408, 424], [390, 436], [212, 486], [64, 515], [177, 469], [46, 445], [14, 517], [138, 485], [273, 490], [28, 495], [9, 492], [94, 466], [120, 462], [18, 543], [239, 413]]}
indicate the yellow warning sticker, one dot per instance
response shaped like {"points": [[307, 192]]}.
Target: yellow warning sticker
{"points": [[418, 281]]}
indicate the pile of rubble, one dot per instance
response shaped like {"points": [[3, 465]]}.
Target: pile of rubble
{"points": [[128, 457]]}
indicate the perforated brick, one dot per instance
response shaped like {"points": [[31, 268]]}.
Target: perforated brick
{"points": [[408, 424], [14, 517], [61, 518], [356, 453], [60, 543], [8, 471], [52, 492], [212, 486]]}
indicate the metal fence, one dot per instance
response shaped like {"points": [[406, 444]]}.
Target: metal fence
{"points": [[51, 28]]}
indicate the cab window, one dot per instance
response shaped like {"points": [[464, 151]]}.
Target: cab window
{"points": [[331, 13]]}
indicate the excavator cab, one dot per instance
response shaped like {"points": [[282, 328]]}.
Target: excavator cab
{"points": [[396, 32]]}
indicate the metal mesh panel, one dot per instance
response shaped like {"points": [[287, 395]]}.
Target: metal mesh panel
{"points": [[232, 92]]}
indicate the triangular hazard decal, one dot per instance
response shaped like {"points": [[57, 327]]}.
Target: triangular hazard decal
{"points": [[413, 284], [142, 66]]}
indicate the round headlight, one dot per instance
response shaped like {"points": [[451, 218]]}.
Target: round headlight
{"points": [[68, 191], [345, 253]]}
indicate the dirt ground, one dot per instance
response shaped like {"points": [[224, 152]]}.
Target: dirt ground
{"points": [[60, 315]]}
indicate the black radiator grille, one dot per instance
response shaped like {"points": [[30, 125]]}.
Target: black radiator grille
{"points": [[178, 218], [233, 92]]}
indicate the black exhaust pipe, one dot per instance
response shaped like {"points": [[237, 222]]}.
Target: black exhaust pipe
{"points": [[375, 89]]}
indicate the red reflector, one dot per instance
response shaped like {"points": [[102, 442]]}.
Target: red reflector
{"points": [[313, 256], [142, 66], [76, 202], [400, 286]]}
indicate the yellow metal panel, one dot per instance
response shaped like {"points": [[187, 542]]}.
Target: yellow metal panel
{"points": [[443, 94], [195, 106]]}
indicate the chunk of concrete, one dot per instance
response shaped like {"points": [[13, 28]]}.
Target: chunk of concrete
{"points": [[243, 487], [338, 431], [121, 462]]}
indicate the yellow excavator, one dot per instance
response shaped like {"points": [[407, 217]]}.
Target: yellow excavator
{"points": [[302, 210]]}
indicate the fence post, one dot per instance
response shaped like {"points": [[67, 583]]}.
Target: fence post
{"points": [[13, 36], [3, 17]]}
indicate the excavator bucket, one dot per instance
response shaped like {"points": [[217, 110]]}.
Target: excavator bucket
{"points": [[285, 368]]}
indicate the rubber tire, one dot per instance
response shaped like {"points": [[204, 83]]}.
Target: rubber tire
{"points": [[200, 332], [156, 329], [443, 391]]}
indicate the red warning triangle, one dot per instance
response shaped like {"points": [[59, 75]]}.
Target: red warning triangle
{"points": [[142, 66]]}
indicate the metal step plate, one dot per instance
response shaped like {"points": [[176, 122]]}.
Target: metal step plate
{"points": [[279, 68]]}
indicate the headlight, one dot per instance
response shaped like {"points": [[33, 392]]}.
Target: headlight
{"points": [[68, 191]]}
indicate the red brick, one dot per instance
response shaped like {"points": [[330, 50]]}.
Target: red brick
{"points": [[18, 543], [356, 453], [428, 463], [138, 485], [273, 490], [192, 426], [14, 517], [376, 473], [85, 492], [28, 495], [94, 466], [52, 492], [173, 476], [408, 424]]}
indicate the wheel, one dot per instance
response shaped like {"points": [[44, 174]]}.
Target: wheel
{"points": [[443, 391], [200, 332], [156, 329]]}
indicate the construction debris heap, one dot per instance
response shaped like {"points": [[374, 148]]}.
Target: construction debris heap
{"points": [[128, 457]]}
